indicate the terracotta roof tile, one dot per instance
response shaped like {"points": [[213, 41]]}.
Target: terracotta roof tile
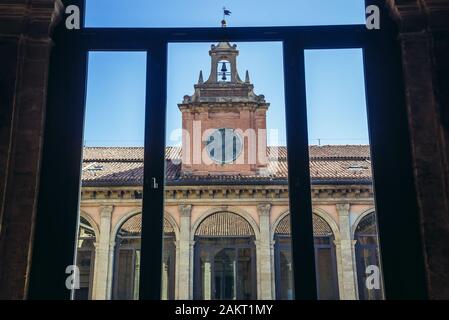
{"points": [[113, 153], [136, 153], [104, 166]]}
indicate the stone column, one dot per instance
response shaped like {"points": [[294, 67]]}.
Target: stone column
{"points": [[264, 254], [273, 268], [339, 267], [347, 265], [207, 284], [111, 267], [164, 280], [176, 271], [184, 272], [192, 267], [102, 254]]}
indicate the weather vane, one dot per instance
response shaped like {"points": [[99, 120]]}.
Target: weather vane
{"points": [[226, 12]]}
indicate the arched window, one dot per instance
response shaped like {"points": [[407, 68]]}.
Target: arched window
{"points": [[85, 257], [127, 260], [225, 258], [367, 254], [325, 260]]}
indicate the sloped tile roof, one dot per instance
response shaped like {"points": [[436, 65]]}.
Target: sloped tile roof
{"points": [[136, 153], [104, 166], [121, 154]]}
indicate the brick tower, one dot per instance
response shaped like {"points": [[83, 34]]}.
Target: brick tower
{"points": [[224, 121]]}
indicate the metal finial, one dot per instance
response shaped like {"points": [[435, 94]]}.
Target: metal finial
{"points": [[226, 12]]}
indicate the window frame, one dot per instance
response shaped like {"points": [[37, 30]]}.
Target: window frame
{"points": [[60, 183]]}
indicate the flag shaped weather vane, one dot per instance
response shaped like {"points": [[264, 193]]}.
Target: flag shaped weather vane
{"points": [[226, 12]]}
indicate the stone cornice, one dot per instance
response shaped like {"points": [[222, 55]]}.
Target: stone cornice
{"points": [[118, 203], [32, 18], [216, 106], [264, 193]]}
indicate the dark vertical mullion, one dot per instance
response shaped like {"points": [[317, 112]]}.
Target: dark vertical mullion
{"points": [[82, 5], [395, 198], [59, 187], [396, 208], [154, 168], [298, 172]]}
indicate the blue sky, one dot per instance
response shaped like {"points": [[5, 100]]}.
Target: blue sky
{"points": [[116, 81], [208, 13]]}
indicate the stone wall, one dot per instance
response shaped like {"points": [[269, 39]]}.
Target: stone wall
{"points": [[424, 37], [25, 45]]}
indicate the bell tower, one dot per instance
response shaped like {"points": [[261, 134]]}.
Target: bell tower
{"points": [[224, 121], [224, 63]]}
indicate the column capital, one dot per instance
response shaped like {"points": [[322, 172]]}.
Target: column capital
{"points": [[106, 211], [185, 210], [343, 208], [264, 209]]}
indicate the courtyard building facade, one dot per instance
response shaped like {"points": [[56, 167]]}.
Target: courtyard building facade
{"points": [[227, 230]]}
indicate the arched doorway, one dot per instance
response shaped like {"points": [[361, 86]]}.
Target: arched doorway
{"points": [[367, 254], [85, 259], [127, 260], [325, 260], [225, 259]]}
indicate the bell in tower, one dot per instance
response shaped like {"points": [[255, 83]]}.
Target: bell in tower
{"points": [[224, 63], [225, 75]]}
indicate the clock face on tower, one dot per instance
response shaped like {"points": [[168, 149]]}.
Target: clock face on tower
{"points": [[224, 145]]}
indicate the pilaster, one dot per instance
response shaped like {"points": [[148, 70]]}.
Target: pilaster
{"points": [[264, 263], [102, 255], [345, 252], [185, 271]]}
